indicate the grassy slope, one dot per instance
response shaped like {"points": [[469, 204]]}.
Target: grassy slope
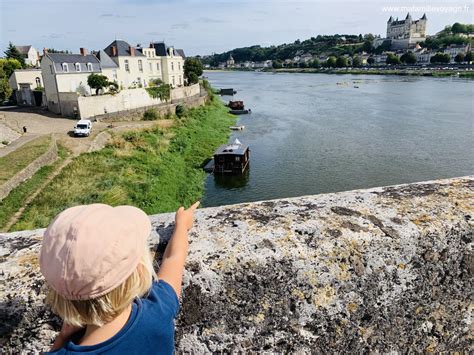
{"points": [[17, 197], [154, 169], [19, 159]]}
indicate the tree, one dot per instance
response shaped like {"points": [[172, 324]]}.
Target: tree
{"points": [[370, 60], [97, 82], [392, 59], [468, 57], [277, 64], [459, 58], [356, 62], [13, 53], [303, 65], [192, 70], [367, 46], [458, 28], [314, 63], [8, 66], [341, 62], [440, 58], [408, 58], [331, 62]]}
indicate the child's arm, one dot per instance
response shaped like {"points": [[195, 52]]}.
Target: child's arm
{"points": [[172, 266]]}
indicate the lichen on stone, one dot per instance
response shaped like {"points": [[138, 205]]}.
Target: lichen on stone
{"points": [[382, 270]]}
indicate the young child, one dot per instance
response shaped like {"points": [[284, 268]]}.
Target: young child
{"points": [[99, 269]]}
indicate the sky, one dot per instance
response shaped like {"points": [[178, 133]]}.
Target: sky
{"points": [[207, 26]]}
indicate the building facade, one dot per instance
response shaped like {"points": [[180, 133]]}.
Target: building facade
{"points": [[406, 33], [23, 82], [65, 75], [30, 55]]}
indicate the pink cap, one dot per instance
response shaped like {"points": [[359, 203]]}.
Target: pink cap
{"points": [[88, 251]]}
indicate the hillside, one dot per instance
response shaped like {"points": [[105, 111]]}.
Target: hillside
{"points": [[336, 45]]}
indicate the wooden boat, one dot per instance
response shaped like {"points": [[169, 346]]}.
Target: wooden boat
{"points": [[231, 158], [240, 112], [236, 105], [237, 128], [227, 92]]}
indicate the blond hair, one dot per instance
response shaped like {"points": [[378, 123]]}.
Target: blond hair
{"points": [[104, 309]]}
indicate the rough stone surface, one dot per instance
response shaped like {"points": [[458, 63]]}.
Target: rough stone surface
{"points": [[383, 270]]}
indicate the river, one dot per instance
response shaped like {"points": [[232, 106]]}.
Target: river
{"points": [[318, 133]]}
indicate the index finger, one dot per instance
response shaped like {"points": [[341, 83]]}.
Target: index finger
{"points": [[195, 205]]}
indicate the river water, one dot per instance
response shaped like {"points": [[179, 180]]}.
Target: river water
{"points": [[318, 133]]}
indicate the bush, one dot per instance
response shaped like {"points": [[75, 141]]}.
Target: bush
{"points": [[180, 111], [151, 115]]}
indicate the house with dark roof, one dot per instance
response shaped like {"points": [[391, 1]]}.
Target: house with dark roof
{"points": [[169, 59], [65, 75], [29, 54], [132, 67]]}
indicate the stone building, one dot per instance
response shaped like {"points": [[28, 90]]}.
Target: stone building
{"points": [[406, 33]]}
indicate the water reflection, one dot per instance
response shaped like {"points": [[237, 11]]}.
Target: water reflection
{"points": [[232, 182]]}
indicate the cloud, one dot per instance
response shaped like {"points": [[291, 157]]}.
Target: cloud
{"points": [[179, 26], [209, 20], [116, 15]]}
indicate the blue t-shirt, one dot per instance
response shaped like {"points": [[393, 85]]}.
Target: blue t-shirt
{"points": [[149, 330]]}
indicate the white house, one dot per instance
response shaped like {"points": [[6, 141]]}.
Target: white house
{"points": [[23, 82], [29, 54], [454, 49], [133, 70], [172, 63], [65, 76]]}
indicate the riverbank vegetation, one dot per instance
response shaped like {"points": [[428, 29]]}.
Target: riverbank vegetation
{"points": [[376, 71], [19, 159], [336, 45], [156, 169]]}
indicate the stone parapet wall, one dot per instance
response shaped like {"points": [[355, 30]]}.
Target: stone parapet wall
{"points": [[382, 270], [46, 158]]}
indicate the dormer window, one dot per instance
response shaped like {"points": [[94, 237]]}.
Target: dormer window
{"points": [[65, 68], [78, 67], [89, 66]]}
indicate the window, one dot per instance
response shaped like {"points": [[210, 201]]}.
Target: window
{"points": [[89, 66], [65, 68], [151, 67], [114, 74], [158, 66], [38, 82], [172, 78], [140, 66], [51, 68], [127, 67], [172, 66], [180, 80], [179, 66], [78, 67]]}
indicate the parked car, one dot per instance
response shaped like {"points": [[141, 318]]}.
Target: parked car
{"points": [[83, 128]]}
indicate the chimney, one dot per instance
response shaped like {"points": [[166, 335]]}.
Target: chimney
{"points": [[45, 51], [132, 51], [114, 51], [83, 51]]}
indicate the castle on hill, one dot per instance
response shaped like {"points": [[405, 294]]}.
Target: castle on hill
{"points": [[406, 33]]}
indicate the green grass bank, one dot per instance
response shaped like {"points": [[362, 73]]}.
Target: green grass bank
{"points": [[17, 198], [19, 159], [156, 169]]}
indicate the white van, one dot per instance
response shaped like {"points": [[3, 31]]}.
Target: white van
{"points": [[83, 128]]}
